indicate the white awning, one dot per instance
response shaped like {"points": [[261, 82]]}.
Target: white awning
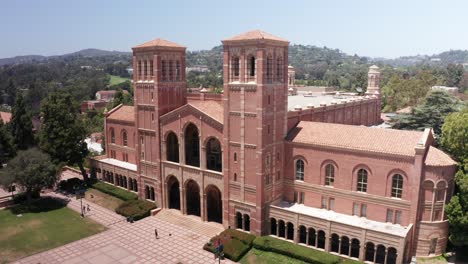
{"points": [[119, 163]]}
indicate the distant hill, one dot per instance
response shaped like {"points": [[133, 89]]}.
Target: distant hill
{"points": [[444, 58], [88, 53]]}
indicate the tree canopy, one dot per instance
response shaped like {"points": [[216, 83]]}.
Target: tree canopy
{"points": [[21, 125]]}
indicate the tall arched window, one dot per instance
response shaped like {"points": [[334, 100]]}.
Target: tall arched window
{"points": [[124, 138], [171, 71], [192, 146], [235, 65], [213, 155], [172, 147], [397, 186], [362, 180], [178, 71], [299, 170], [329, 174], [112, 134], [251, 66], [163, 70], [269, 70]]}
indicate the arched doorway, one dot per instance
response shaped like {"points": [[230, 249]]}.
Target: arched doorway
{"points": [[192, 146], [281, 229], [273, 226], [214, 204], [174, 193], [312, 237], [335, 243], [370, 251], [290, 231], [344, 246], [321, 239], [172, 147], [192, 198], [391, 255], [302, 234], [355, 246], [380, 254], [213, 155]]}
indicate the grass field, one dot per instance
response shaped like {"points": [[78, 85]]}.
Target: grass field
{"points": [[102, 199], [255, 256], [116, 80], [45, 224]]}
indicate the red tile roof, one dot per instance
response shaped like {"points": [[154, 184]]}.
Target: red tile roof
{"points": [[436, 157], [122, 113], [211, 108], [159, 43], [5, 116], [377, 140], [256, 35]]}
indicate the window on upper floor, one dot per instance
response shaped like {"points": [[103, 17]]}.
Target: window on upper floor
{"points": [[140, 70], [151, 68], [145, 69], [124, 138], [163, 70], [397, 217], [329, 174], [363, 210], [331, 204], [324, 203], [389, 216], [171, 71], [235, 176], [397, 186], [235, 156], [251, 66], [112, 135], [299, 170], [178, 73], [362, 180], [235, 66], [269, 69], [279, 69]]}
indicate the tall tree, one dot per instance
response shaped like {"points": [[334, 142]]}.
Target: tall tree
{"points": [[455, 135], [63, 133], [7, 149], [32, 170], [21, 125], [454, 74]]}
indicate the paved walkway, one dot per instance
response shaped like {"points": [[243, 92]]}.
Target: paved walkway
{"points": [[133, 243]]}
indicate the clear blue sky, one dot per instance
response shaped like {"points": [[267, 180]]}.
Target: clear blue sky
{"points": [[372, 28]]}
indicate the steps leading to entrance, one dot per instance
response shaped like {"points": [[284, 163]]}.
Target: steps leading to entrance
{"points": [[191, 222]]}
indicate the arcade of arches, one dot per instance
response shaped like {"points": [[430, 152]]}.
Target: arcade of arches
{"points": [[192, 197], [342, 245]]}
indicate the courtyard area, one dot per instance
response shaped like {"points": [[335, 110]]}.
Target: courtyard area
{"points": [[42, 225]]}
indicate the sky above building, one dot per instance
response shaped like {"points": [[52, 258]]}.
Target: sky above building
{"points": [[367, 28]]}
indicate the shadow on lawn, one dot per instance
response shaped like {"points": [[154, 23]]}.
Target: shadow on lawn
{"points": [[38, 206]]}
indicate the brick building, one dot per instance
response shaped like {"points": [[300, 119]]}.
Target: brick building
{"points": [[314, 174]]}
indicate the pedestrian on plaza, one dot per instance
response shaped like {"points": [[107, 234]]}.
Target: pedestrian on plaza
{"points": [[156, 233], [88, 208], [84, 209]]}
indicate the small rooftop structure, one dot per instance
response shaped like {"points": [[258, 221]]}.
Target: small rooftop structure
{"points": [[5, 117], [256, 35]]}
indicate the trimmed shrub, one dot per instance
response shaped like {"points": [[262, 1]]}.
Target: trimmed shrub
{"points": [[236, 243], [115, 191], [69, 185], [287, 248], [135, 209]]}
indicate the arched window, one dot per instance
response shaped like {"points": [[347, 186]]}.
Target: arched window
{"points": [[213, 155], [269, 70], [235, 66], [235, 156], [362, 180], [299, 170], [172, 147], [329, 174], [235, 176], [177, 70], [279, 69], [397, 185], [145, 71], [112, 134], [192, 146], [124, 138], [171, 71], [163, 70]]}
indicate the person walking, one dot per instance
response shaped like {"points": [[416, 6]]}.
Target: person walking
{"points": [[88, 208], [156, 233]]}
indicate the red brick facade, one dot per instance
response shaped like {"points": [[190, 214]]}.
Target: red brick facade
{"points": [[244, 160]]}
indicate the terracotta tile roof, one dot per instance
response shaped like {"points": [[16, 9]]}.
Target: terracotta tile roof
{"points": [[436, 157], [377, 140], [255, 34], [160, 43], [211, 108], [123, 113], [5, 116]]}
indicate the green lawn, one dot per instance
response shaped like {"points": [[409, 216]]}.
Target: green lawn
{"points": [[43, 225], [116, 80], [255, 256], [434, 260]]}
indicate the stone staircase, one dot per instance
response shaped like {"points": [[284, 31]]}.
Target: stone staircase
{"points": [[191, 222]]}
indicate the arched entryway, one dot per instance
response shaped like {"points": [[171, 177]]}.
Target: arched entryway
{"points": [[214, 204], [335, 243], [302, 234], [355, 246], [174, 193], [380, 254], [344, 249], [192, 146], [213, 155], [312, 237], [370, 251], [172, 147], [273, 226], [391, 255], [281, 229], [192, 198], [321, 239], [290, 231]]}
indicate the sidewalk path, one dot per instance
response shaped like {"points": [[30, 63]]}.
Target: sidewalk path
{"points": [[128, 243]]}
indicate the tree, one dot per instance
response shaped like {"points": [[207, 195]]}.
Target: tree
{"points": [[21, 125], [7, 149], [431, 113], [454, 74], [32, 170], [63, 133], [455, 135]]}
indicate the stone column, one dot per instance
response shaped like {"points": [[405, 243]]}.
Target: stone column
{"points": [[433, 202], [296, 235], [307, 237], [386, 254], [443, 204], [339, 245], [327, 243], [203, 209], [182, 148], [277, 229], [375, 253], [183, 205]]}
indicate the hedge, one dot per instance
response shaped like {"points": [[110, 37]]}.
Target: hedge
{"points": [[70, 184], [115, 191], [135, 209], [236, 243], [287, 248]]}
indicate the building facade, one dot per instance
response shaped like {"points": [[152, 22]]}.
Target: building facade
{"points": [[318, 177]]}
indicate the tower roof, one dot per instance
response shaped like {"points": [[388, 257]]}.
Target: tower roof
{"points": [[159, 43], [255, 35]]}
